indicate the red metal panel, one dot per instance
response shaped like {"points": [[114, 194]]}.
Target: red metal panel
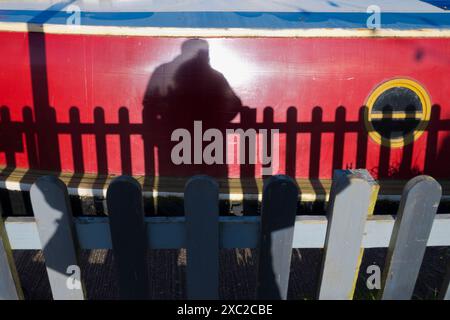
{"points": [[325, 80]]}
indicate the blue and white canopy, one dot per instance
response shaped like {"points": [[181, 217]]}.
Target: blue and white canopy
{"points": [[229, 14]]}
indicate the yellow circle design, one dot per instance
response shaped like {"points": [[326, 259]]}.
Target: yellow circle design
{"points": [[423, 116]]}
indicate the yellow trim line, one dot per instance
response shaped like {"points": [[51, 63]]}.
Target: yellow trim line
{"points": [[219, 32], [397, 115]]}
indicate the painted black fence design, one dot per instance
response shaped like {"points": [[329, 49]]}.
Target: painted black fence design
{"points": [[350, 228]]}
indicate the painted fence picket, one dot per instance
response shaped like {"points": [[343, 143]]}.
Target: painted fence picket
{"points": [[444, 293], [201, 205], [352, 198], [279, 204], [416, 213], [52, 211], [10, 288], [128, 237]]}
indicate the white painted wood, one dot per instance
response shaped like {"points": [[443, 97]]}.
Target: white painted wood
{"points": [[352, 199], [235, 232], [54, 223], [278, 213], [10, 288], [412, 228], [230, 32], [201, 207], [444, 294]]}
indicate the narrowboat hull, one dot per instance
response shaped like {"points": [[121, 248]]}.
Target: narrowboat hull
{"points": [[315, 88], [107, 101]]}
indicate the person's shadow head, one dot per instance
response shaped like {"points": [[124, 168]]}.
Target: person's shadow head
{"points": [[195, 48]]}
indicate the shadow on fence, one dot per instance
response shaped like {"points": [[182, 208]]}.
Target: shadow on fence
{"points": [[352, 197]]}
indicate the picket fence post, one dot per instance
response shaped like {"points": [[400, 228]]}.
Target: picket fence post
{"points": [[53, 214], [416, 213], [352, 198], [279, 204], [444, 293], [129, 237], [201, 206], [10, 288]]}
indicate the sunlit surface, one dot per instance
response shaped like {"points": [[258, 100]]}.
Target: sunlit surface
{"points": [[227, 60]]}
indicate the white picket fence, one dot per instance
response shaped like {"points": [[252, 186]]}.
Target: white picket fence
{"points": [[348, 228]]}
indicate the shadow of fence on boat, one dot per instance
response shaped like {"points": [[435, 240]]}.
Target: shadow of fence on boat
{"points": [[101, 143], [185, 90]]}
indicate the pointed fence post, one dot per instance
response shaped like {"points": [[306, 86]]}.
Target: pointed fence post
{"points": [[444, 294], [352, 198], [201, 205], [10, 288], [279, 204], [416, 213], [129, 237], [51, 207]]}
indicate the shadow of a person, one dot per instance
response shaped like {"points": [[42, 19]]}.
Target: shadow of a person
{"points": [[179, 92]]}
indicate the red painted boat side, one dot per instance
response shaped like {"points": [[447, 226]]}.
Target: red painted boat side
{"points": [[315, 87]]}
